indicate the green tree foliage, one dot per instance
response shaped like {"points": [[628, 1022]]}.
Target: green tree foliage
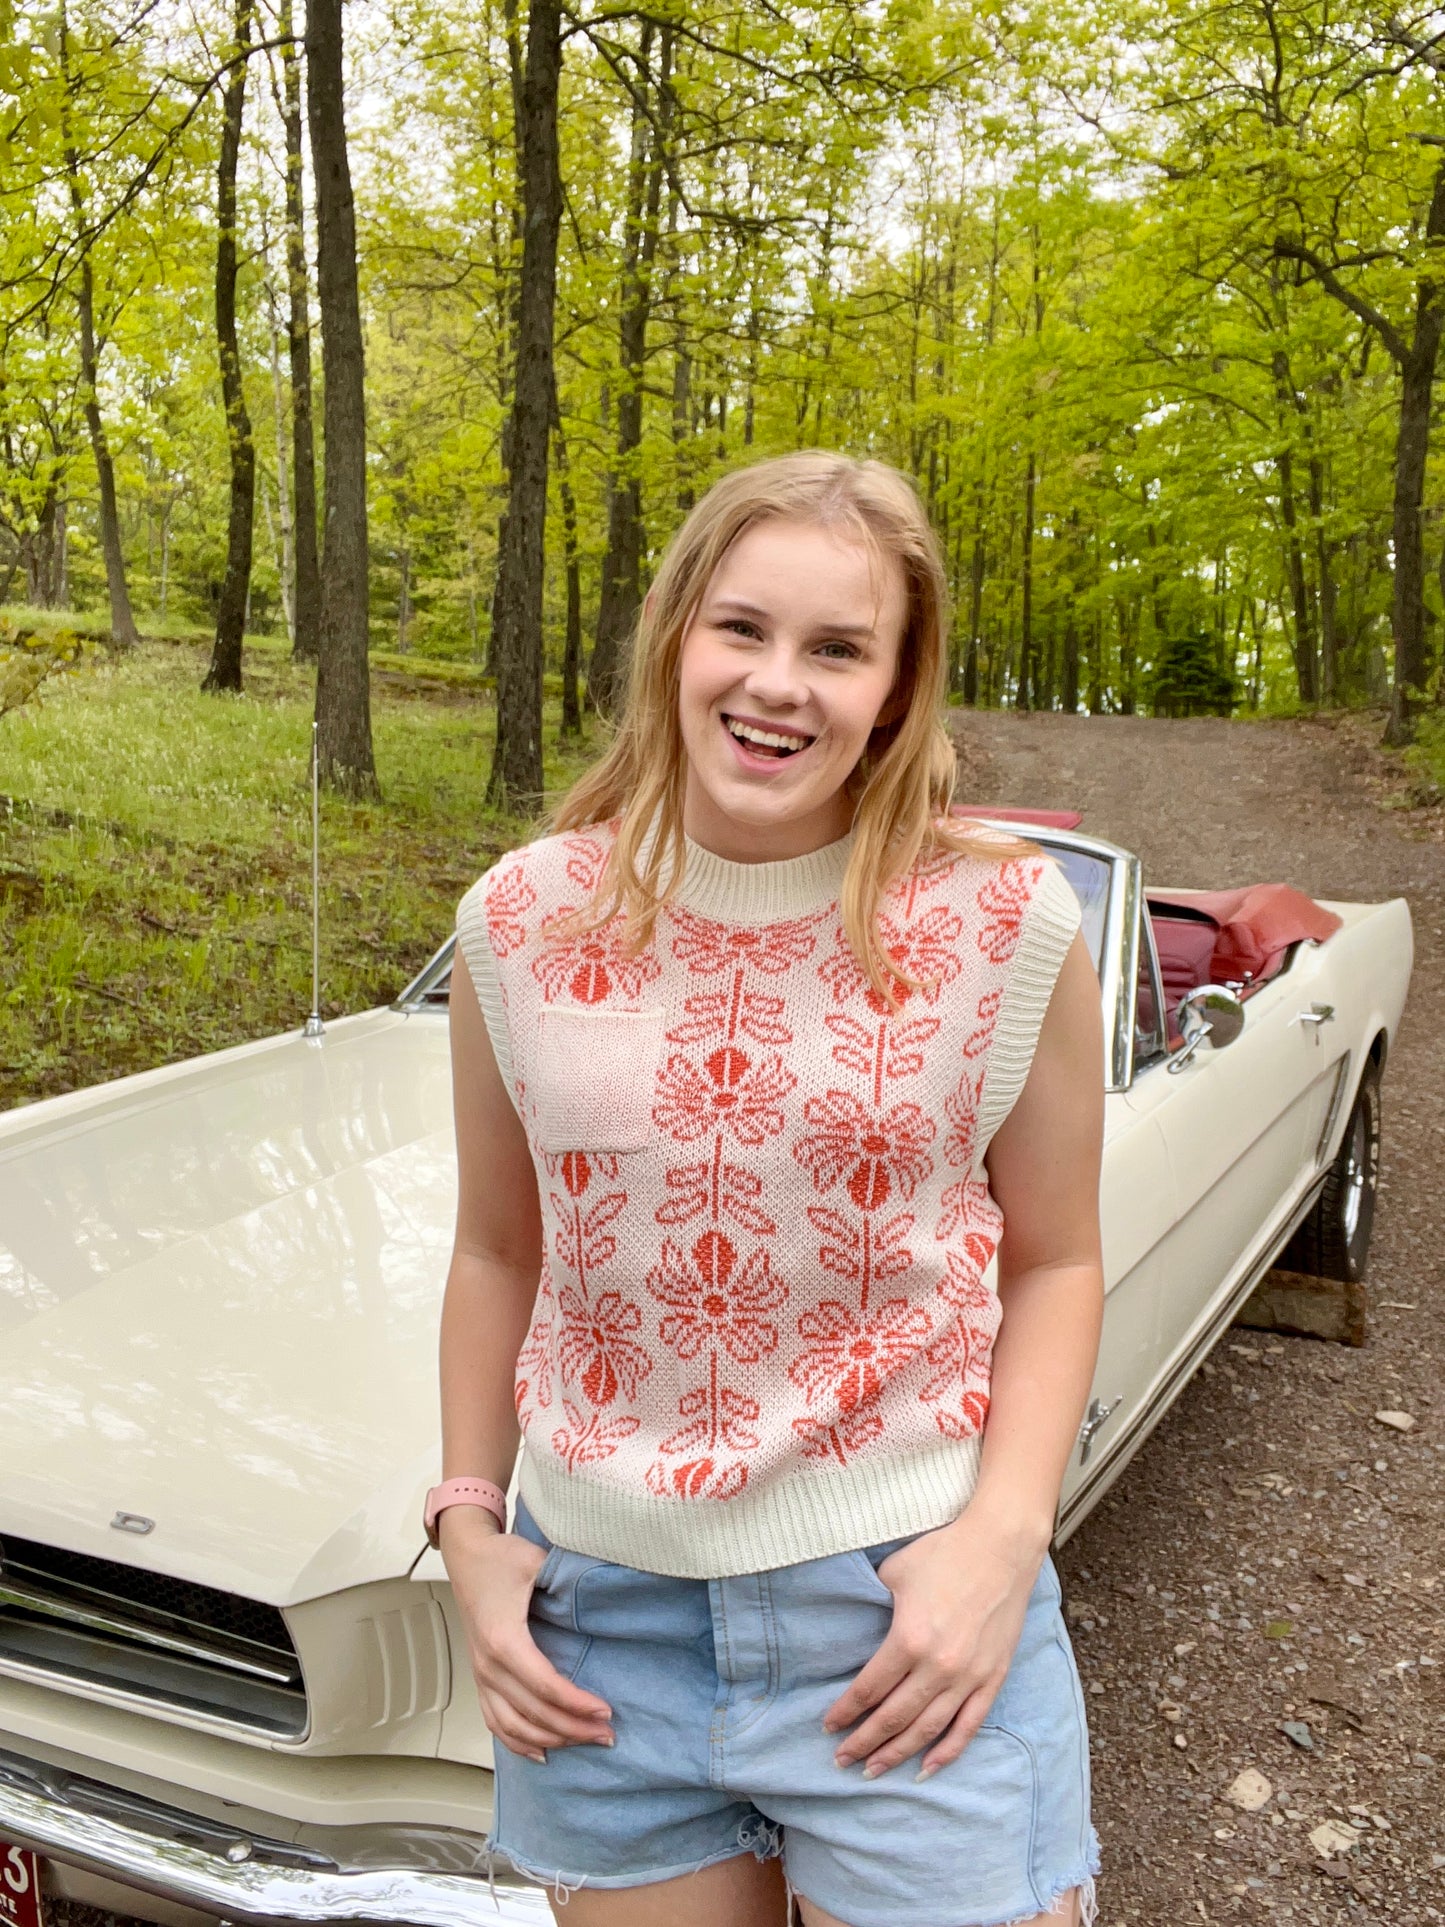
{"points": [[1143, 296]]}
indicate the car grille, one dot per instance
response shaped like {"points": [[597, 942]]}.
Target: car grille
{"points": [[189, 1647]]}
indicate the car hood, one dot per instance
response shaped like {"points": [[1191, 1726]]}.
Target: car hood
{"points": [[219, 1290]]}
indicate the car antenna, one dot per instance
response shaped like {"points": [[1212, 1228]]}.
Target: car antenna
{"points": [[313, 1027]]}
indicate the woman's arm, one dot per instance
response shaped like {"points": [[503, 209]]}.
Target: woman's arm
{"points": [[960, 1594], [496, 1261]]}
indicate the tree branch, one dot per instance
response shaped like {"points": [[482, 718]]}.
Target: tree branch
{"points": [[1394, 341]]}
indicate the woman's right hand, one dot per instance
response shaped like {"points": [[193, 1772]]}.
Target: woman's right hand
{"points": [[525, 1701]]}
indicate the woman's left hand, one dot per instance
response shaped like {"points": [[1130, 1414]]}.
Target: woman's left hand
{"points": [[959, 1598]]}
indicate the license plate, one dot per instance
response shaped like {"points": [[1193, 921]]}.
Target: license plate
{"points": [[19, 1887]]}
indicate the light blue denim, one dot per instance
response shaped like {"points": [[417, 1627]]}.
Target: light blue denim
{"points": [[718, 1689]]}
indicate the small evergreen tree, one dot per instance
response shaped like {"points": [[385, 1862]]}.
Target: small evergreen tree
{"points": [[1188, 680]]}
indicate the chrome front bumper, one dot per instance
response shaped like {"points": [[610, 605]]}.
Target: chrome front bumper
{"points": [[238, 1876]]}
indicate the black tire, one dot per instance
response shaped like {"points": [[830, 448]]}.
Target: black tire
{"points": [[1334, 1240]]}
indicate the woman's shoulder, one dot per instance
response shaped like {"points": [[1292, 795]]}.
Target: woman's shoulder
{"points": [[536, 882], [986, 876]]}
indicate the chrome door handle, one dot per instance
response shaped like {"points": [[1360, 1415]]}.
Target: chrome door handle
{"points": [[1097, 1416], [1317, 1015]]}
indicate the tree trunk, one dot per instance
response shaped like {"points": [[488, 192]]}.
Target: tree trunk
{"points": [[572, 644], [403, 603], [1070, 692], [225, 670], [1328, 592], [343, 688], [1024, 697], [515, 781], [621, 594], [122, 621], [1304, 637], [1407, 616], [286, 559], [306, 590]]}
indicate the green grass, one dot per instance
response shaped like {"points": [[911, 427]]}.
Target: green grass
{"points": [[1426, 757], [154, 856]]}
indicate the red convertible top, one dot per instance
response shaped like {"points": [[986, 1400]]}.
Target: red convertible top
{"points": [[1041, 819], [1251, 928]]}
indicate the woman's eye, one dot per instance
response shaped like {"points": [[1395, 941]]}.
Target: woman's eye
{"points": [[739, 627], [838, 651]]}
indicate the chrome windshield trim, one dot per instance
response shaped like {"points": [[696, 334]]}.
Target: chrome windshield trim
{"points": [[422, 993], [190, 1861], [1119, 947]]}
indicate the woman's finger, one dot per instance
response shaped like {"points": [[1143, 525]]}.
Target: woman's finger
{"points": [[878, 1678], [894, 1716], [965, 1724], [523, 1735], [935, 1718], [567, 1728], [522, 1659]]}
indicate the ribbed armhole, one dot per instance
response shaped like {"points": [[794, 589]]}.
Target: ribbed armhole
{"points": [[475, 944], [1049, 926]]}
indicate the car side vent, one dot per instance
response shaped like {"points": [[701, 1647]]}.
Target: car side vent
{"points": [[68, 1616]]}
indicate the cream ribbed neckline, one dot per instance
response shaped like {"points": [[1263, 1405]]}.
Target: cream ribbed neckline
{"points": [[728, 892]]}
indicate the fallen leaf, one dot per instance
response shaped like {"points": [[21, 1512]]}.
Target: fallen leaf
{"points": [[1397, 1421], [1278, 1628], [1251, 1790], [1332, 1837]]}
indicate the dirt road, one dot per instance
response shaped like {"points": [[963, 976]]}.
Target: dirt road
{"points": [[1270, 1497]]}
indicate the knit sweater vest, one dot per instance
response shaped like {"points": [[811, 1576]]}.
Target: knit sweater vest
{"points": [[764, 1324]]}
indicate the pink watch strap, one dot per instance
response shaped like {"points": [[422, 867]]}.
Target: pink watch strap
{"points": [[480, 1492]]}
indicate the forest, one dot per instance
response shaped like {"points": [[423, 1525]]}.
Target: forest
{"points": [[417, 328]]}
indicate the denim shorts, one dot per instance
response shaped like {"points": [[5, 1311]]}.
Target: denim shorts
{"points": [[718, 1689]]}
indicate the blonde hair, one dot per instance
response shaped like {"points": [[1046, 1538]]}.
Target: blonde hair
{"points": [[902, 786]]}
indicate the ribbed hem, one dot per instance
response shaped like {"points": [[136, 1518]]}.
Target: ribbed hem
{"points": [[1050, 923], [809, 1515]]}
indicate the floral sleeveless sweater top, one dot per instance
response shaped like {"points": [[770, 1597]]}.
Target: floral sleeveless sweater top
{"points": [[764, 1324]]}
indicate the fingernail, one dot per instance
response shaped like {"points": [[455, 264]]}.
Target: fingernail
{"points": [[924, 1773], [607, 1739], [842, 1759], [872, 1770]]}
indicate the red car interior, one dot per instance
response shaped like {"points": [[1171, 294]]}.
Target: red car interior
{"points": [[1230, 936]]}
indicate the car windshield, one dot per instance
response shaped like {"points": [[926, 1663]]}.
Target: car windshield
{"points": [[1089, 876]]}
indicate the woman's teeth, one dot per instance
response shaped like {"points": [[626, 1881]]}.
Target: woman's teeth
{"points": [[766, 739]]}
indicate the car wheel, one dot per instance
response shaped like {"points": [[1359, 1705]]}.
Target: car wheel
{"points": [[1334, 1240]]}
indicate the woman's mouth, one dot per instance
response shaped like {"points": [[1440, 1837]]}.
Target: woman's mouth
{"points": [[769, 744]]}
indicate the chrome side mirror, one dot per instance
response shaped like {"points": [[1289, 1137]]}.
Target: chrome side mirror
{"points": [[1211, 1012]]}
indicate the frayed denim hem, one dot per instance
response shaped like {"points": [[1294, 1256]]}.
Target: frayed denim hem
{"points": [[760, 1837]]}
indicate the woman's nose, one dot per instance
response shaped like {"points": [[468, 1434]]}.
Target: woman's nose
{"points": [[775, 677]]}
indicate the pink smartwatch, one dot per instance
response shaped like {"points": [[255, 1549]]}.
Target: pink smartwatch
{"points": [[482, 1492]]}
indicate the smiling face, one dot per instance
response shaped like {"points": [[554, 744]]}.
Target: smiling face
{"points": [[785, 668]]}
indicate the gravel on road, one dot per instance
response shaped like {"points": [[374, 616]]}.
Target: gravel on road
{"points": [[1257, 1604]]}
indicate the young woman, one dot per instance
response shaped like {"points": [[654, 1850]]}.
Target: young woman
{"points": [[759, 1063]]}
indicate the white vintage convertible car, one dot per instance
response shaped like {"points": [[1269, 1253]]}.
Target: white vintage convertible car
{"points": [[231, 1679]]}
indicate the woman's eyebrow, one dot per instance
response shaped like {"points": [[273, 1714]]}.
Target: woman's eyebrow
{"points": [[740, 606]]}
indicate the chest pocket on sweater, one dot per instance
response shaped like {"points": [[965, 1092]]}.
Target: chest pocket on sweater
{"points": [[592, 1088]]}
